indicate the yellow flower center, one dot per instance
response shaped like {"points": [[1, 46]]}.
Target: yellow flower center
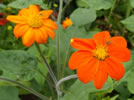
{"points": [[35, 21], [100, 53]]}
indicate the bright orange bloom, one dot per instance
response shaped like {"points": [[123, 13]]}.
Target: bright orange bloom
{"points": [[99, 57], [67, 22], [33, 25]]}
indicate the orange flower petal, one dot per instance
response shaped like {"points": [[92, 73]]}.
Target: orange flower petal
{"points": [[86, 72], [24, 13], [114, 68], [28, 38], [67, 22], [50, 23], [44, 32], [49, 31], [46, 13], [83, 44], [16, 19], [65, 25], [40, 37], [122, 54], [78, 59], [33, 9], [20, 30], [100, 76], [101, 38], [118, 41]]}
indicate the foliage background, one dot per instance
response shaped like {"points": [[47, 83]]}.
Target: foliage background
{"points": [[89, 17]]}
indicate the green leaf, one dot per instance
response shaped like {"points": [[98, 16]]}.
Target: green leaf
{"points": [[132, 3], [80, 91], [17, 65], [128, 23], [9, 93], [24, 4], [114, 97], [95, 4], [82, 16], [2, 7]]}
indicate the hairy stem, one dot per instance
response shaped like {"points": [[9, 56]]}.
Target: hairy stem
{"points": [[26, 88], [63, 80], [111, 11], [68, 2], [58, 40], [47, 65]]}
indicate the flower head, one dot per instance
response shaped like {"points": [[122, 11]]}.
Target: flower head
{"points": [[100, 57], [33, 25], [66, 23], [2, 19]]}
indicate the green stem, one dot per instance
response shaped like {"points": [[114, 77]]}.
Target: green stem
{"points": [[64, 65], [129, 8], [111, 11], [26, 88], [58, 40], [48, 66], [63, 80], [66, 56], [68, 2]]}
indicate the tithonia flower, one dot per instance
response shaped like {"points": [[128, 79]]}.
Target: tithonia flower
{"points": [[98, 58], [2, 19], [33, 25], [66, 23]]}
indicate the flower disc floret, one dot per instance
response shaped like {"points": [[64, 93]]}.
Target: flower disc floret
{"points": [[100, 53], [35, 21]]}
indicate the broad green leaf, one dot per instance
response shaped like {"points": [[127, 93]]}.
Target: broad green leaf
{"points": [[18, 65], [80, 91], [24, 4], [114, 97], [132, 3], [82, 16], [2, 7], [128, 23], [122, 89], [8, 93], [95, 4]]}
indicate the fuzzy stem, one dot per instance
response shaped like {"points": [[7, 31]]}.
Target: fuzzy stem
{"points": [[68, 2], [111, 11], [26, 88], [58, 40], [47, 65], [63, 80]]}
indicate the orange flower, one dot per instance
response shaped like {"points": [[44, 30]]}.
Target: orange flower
{"points": [[99, 57], [33, 25], [67, 22]]}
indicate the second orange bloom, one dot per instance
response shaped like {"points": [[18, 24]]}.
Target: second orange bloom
{"points": [[33, 25]]}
